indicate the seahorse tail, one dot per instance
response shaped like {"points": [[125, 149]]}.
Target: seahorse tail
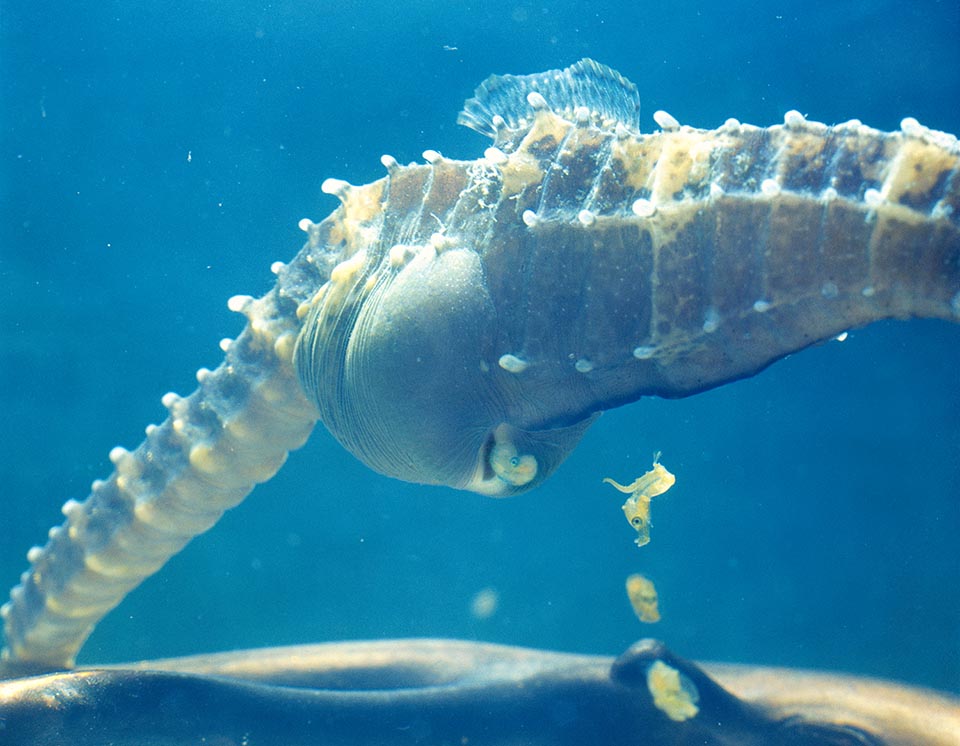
{"points": [[233, 432]]}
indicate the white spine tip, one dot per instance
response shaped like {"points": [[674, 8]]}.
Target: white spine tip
{"points": [[583, 366], [716, 190], [97, 484], [842, 337], [537, 101], [431, 156], [869, 291], [761, 306], [496, 156], [239, 303], [512, 363], [118, 454], [794, 118], [202, 374], [33, 554], [731, 126], [337, 187], [872, 198], [666, 122], [643, 208], [644, 352], [621, 131], [398, 255], [69, 508], [441, 243], [498, 122], [586, 218], [770, 187], [389, 163], [911, 126], [277, 267], [581, 115], [169, 400], [829, 194], [149, 430], [224, 344], [305, 224], [530, 218]]}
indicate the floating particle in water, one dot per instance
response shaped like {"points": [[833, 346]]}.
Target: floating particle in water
{"points": [[484, 603]]}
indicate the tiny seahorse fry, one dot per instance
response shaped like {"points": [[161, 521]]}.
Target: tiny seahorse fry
{"points": [[643, 598], [637, 507], [674, 694]]}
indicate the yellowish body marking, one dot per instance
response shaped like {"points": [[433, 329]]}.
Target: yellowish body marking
{"points": [[635, 159], [522, 167], [347, 270], [521, 170], [643, 597], [916, 170], [364, 203], [637, 507]]}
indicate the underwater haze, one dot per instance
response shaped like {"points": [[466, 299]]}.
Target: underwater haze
{"points": [[156, 159]]}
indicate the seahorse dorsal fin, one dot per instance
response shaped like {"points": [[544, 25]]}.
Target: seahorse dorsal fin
{"points": [[605, 95]]}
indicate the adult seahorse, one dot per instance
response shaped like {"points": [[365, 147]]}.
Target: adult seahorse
{"points": [[463, 322]]}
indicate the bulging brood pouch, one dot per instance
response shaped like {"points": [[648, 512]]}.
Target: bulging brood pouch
{"points": [[463, 322]]}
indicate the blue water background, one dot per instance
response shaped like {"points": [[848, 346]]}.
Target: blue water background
{"points": [[156, 159]]}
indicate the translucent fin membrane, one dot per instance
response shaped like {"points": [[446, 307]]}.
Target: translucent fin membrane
{"points": [[608, 97]]}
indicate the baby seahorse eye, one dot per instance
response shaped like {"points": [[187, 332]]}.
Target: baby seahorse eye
{"points": [[508, 464]]}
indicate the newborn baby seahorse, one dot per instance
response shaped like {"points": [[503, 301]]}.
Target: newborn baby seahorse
{"points": [[637, 507]]}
